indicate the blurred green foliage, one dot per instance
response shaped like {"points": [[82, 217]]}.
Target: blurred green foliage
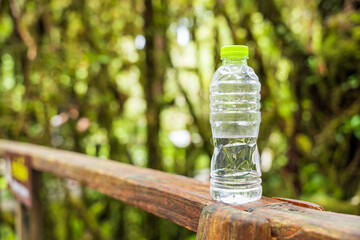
{"points": [[78, 75]]}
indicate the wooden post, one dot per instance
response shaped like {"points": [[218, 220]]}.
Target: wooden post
{"points": [[219, 221], [29, 222], [21, 226]]}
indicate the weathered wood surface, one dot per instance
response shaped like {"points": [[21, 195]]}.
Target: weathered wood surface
{"points": [[181, 199], [219, 221], [173, 197], [301, 203]]}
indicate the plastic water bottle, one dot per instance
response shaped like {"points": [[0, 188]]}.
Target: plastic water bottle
{"points": [[235, 119]]}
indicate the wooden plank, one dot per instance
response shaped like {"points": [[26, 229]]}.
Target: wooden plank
{"points": [[219, 221], [173, 197], [181, 199]]}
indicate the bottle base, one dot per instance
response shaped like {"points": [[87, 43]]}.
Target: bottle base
{"points": [[236, 197]]}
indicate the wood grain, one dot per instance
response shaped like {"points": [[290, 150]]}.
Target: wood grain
{"points": [[173, 197], [294, 222], [301, 203], [219, 221], [181, 199]]}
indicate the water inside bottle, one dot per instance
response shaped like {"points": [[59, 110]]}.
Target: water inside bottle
{"points": [[235, 176]]}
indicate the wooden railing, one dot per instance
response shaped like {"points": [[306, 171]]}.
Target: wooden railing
{"points": [[186, 201]]}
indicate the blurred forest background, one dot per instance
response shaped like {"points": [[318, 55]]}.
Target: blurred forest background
{"points": [[128, 80]]}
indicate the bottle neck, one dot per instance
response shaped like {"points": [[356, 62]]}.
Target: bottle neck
{"points": [[228, 61]]}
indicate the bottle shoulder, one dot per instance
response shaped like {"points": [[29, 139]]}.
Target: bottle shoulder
{"points": [[233, 72]]}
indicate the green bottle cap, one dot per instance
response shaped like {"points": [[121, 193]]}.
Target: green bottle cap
{"points": [[234, 51]]}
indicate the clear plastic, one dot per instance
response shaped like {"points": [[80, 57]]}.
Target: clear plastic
{"points": [[235, 119]]}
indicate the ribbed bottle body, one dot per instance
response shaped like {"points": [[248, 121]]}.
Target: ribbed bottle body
{"points": [[235, 119]]}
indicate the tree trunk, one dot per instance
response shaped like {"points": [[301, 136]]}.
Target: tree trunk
{"points": [[153, 90]]}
